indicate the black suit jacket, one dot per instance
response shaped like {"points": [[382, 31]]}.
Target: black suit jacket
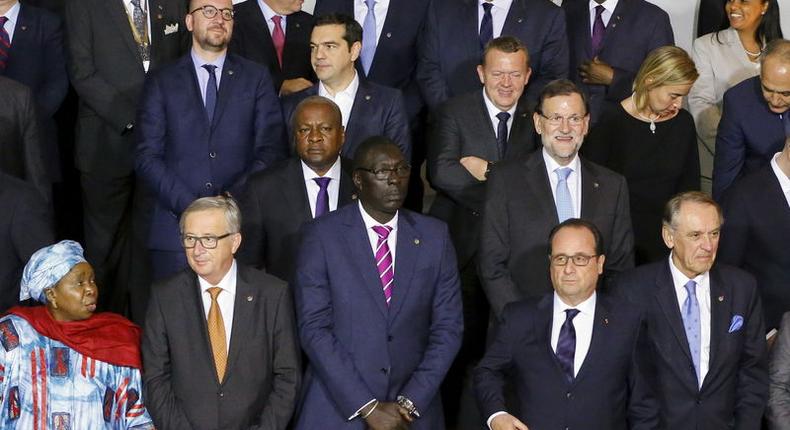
{"points": [[609, 392], [735, 389], [519, 213], [463, 128], [275, 206], [252, 40], [263, 372]]}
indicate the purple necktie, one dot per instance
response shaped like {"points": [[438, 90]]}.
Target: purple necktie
{"points": [[5, 43], [384, 261], [598, 31], [566, 344], [278, 38], [322, 201], [486, 25]]}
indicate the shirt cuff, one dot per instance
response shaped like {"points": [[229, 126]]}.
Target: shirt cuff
{"points": [[494, 415], [356, 414]]}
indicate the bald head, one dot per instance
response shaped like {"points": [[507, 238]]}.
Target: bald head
{"points": [[775, 75]]}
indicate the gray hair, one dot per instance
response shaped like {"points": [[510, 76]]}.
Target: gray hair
{"points": [[672, 207], [223, 203]]}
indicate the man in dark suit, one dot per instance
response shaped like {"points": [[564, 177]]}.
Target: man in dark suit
{"points": [[205, 123], [276, 33], [758, 243], [608, 43], [456, 32], [526, 198], [573, 355], [219, 347], [755, 119], [304, 188], [368, 109], [705, 330], [378, 305]]}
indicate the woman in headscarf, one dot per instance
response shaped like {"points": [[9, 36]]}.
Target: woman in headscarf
{"points": [[61, 365]]}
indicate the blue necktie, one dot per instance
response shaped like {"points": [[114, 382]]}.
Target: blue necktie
{"points": [[211, 91], [566, 344], [501, 133], [486, 25], [5, 43], [564, 201], [692, 325], [368, 37], [322, 201]]}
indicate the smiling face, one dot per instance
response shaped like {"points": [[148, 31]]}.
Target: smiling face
{"points": [[74, 297], [562, 141], [210, 34], [381, 198], [210, 264], [319, 135], [504, 76], [693, 237], [745, 15], [666, 100], [575, 284]]}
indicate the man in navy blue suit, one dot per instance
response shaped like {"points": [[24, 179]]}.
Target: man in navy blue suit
{"points": [[205, 123], [378, 305], [572, 355]]}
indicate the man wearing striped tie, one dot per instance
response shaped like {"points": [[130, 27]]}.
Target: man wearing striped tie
{"points": [[378, 305]]}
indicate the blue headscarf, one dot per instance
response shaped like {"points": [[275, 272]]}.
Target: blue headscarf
{"points": [[47, 266]]}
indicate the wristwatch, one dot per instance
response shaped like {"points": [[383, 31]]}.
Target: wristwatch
{"points": [[407, 404]]}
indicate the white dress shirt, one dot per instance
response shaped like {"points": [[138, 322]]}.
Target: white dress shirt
{"points": [[268, 14], [202, 73], [225, 299], [344, 99], [606, 15], [574, 181], [493, 111], [130, 12], [784, 181], [499, 12], [12, 14], [379, 10], [703, 298], [333, 189]]}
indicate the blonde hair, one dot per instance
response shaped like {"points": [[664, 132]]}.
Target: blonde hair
{"points": [[666, 65]]}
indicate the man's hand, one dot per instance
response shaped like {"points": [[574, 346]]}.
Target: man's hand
{"points": [[294, 86], [507, 422], [387, 416], [596, 72], [476, 166]]}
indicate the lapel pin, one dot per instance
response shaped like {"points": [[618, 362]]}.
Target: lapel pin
{"points": [[249, 298], [159, 16], [24, 27], [595, 185], [416, 241], [389, 35], [606, 321], [367, 97], [230, 72], [721, 298], [160, 7], [520, 20], [298, 26]]}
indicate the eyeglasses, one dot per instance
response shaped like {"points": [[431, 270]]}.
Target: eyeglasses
{"points": [[209, 242], [579, 260], [383, 174], [210, 12], [557, 120]]}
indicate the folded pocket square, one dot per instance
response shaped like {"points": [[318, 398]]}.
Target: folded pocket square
{"points": [[736, 323], [171, 28]]}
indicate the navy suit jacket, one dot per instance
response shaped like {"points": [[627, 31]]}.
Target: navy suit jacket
{"points": [[749, 135], [757, 242], [735, 389], [635, 28], [450, 48], [609, 392], [181, 156], [377, 110], [359, 348]]}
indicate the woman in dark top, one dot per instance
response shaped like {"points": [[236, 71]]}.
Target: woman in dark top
{"points": [[651, 141]]}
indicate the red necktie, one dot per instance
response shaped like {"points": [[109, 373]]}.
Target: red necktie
{"points": [[5, 43], [278, 38]]}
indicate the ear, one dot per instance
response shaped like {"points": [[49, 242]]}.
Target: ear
{"points": [[529, 73], [668, 235], [356, 47], [236, 242], [481, 74], [536, 120], [189, 22], [601, 259], [586, 124], [342, 136], [357, 180], [51, 297]]}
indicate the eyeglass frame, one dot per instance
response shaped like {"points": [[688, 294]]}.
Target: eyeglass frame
{"points": [[568, 258], [377, 173], [200, 239], [557, 120], [221, 12]]}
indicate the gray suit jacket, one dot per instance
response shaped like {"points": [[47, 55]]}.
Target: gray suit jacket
{"points": [[778, 412]]}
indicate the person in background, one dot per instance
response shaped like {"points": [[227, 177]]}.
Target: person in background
{"points": [[778, 411]]}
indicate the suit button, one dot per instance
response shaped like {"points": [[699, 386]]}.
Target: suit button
{"points": [[221, 394], [209, 185], [384, 370], [212, 154], [475, 213]]}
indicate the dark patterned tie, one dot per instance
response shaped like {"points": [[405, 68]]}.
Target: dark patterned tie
{"points": [[501, 133], [566, 344], [487, 25], [322, 201], [139, 19], [211, 90], [5, 43], [598, 31]]}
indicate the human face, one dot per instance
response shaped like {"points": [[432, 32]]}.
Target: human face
{"points": [[504, 77], [213, 34], [694, 239], [665, 101], [382, 198], [745, 15], [775, 81], [285, 7], [562, 141], [575, 284], [319, 136], [210, 264], [74, 297], [332, 58]]}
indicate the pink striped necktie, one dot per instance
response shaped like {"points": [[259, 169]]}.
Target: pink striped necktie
{"points": [[384, 261]]}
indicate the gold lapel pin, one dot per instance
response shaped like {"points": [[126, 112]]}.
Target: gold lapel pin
{"points": [[159, 16], [249, 298]]}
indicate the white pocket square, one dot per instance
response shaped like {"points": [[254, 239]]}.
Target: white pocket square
{"points": [[171, 28]]}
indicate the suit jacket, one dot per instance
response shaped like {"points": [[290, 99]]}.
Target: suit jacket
{"points": [[252, 40], [757, 243], [749, 135], [359, 348], [519, 213], [107, 72], [635, 28], [735, 389], [181, 156], [609, 391], [377, 110], [271, 232], [463, 128], [25, 227], [778, 413]]}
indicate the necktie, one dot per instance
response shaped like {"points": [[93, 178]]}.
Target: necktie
{"points": [[566, 344], [692, 324], [564, 201], [5, 43], [368, 37], [486, 25], [501, 133], [598, 31], [140, 34], [384, 261], [216, 333], [322, 202], [211, 91], [278, 38]]}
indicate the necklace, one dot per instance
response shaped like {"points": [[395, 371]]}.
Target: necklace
{"points": [[652, 121], [752, 54]]}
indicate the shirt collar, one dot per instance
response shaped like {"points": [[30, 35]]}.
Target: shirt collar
{"points": [[680, 280], [609, 5], [333, 172], [12, 14], [199, 62], [586, 307], [500, 4], [350, 91], [370, 222], [552, 165], [227, 283], [268, 12], [493, 110], [784, 181]]}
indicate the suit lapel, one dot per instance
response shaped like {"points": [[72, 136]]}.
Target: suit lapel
{"points": [[187, 74], [346, 185], [246, 301], [719, 319], [468, 27], [406, 256], [618, 16], [117, 12], [22, 34], [590, 191], [668, 301], [480, 121], [358, 247], [586, 36], [600, 339], [544, 319], [363, 100], [521, 140], [192, 302], [295, 191], [537, 181], [515, 18], [259, 31], [226, 87], [157, 31]]}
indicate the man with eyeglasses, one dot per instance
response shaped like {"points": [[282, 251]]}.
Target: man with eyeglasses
{"points": [[220, 347], [378, 305], [572, 354], [526, 198], [205, 124]]}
